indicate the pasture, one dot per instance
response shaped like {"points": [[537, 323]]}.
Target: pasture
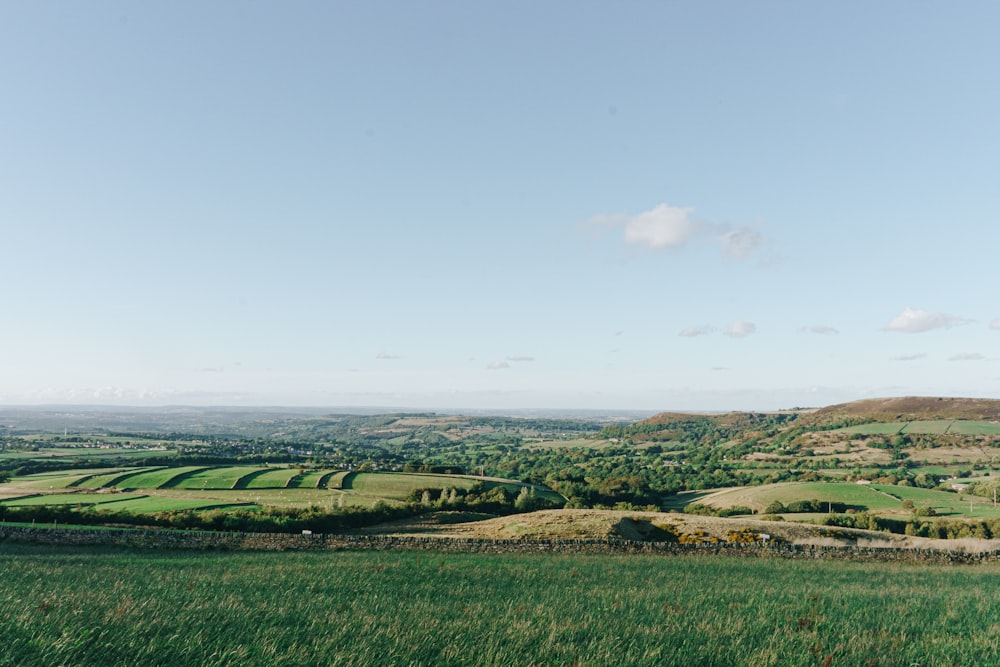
{"points": [[215, 478], [878, 498], [932, 427], [150, 490], [157, 478], [268, 479], [397, 485], [58, 480], [103, 607]]}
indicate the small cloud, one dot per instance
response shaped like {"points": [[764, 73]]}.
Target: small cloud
{"points": [[719, 368], [909, 357], [819, 329], [386, 355], [692, 332], [664, 226], [966, 356], [211, 370], [913, 320], [497, 365], [520, 358], [995, 325], [740, 243], [740, 329], [619, 333]]}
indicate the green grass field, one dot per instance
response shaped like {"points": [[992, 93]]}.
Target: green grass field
{"points": [[60, 479], [938, 427], [117, 478], [157, 478], [878, 498], [270, 479], [151, 504], [199, 487], [333, 479], [975, 428], [944, 503], [100, 607], [873, 429], [399, 485], [59, 499], [310, 480], [759, 497], [217, 477]]}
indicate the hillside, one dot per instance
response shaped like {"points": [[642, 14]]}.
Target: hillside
{"points": [[906, 408], [605, 524]]}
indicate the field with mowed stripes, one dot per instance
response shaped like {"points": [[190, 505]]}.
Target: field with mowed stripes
{"points": [[161, 489]]}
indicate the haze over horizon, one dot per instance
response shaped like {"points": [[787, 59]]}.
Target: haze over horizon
{"points": [[662, 206]]}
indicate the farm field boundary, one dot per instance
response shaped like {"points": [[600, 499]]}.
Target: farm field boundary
{"points": [[196, 540]]}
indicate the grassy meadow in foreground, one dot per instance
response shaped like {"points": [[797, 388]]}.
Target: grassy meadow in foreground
{"points": [[100, 607]]}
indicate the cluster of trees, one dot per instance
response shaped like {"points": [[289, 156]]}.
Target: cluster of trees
{"points": [[698, 430], [499, 500], [807, 507]]}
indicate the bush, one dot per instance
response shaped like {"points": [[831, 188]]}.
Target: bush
{"points": [[734, 511]]}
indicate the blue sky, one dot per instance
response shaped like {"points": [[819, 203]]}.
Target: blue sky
{"points": [[656, 205]]}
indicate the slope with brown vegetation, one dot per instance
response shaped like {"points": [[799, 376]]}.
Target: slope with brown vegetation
{"points": [[907, 408], [655, 526]]}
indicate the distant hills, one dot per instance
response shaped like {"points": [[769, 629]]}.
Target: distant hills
{"points": [[909, 408], [905, 408]]}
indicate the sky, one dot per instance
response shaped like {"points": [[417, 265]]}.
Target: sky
{"points": [[497, 205]]}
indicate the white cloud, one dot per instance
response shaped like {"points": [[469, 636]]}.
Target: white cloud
{"points": [[913, 320], [665, 226], [662, 227], [691, 332], [966, 356], [740, 329], [386, 355], [819, 329], [740, 243], [909, 357], [995, 325], [497, 365], [520, 358]]}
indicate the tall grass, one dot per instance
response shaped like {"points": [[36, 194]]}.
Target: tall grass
{"points": [[89, 607]]}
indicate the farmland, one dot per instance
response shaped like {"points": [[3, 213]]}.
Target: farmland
{"points": [[147, 491], [866, 456], [879, 498], [935, 427], [102, 607]]}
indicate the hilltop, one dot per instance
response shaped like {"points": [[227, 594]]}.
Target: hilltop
{"points": [[907, 408], [901, 409]]}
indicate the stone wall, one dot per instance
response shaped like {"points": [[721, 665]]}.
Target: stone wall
{"points": [[197, 540]]}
